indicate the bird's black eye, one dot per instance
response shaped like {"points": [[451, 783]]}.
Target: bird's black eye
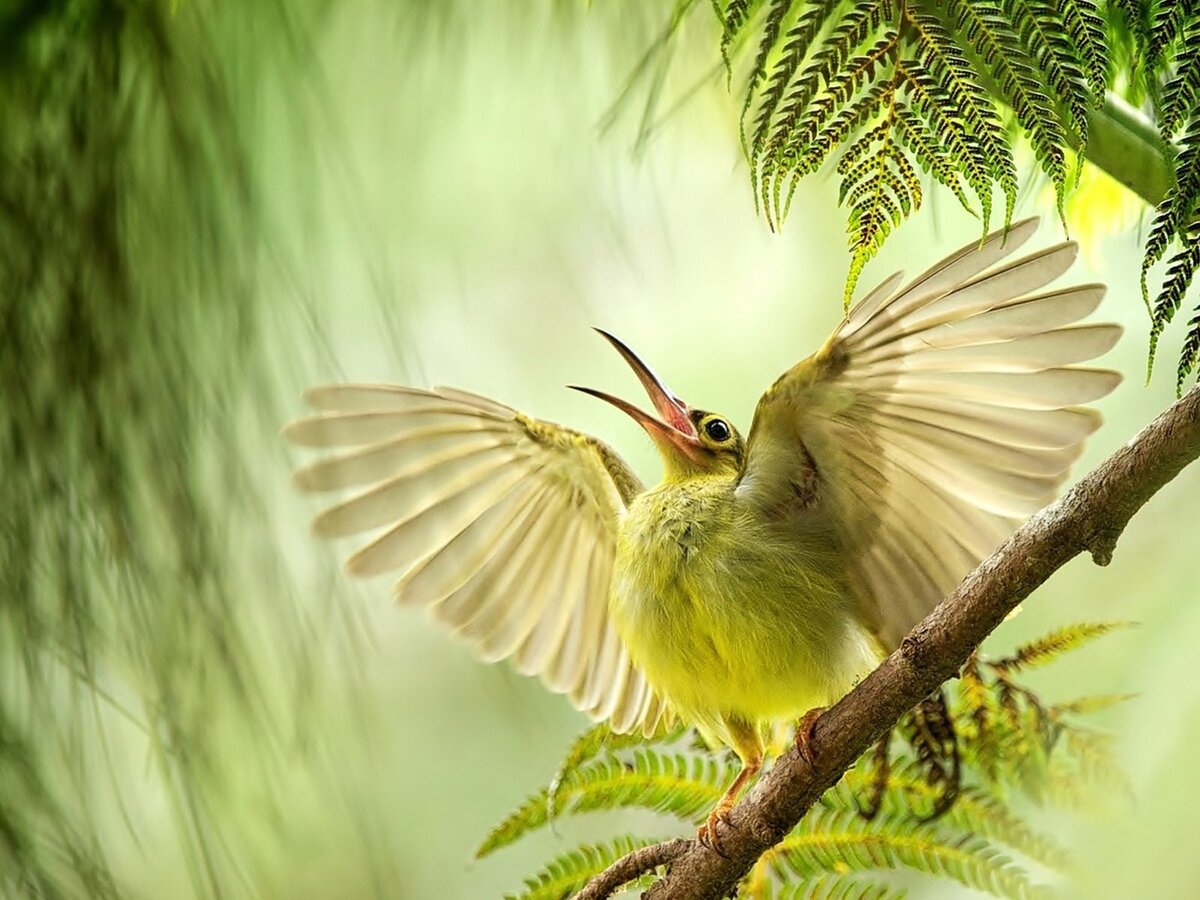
{"points": [[717, 430]]}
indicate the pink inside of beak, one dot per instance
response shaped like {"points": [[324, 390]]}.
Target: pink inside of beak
{"points": [[674, 412]]}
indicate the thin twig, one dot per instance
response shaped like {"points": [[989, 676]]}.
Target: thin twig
{"points": [[631, 866]]}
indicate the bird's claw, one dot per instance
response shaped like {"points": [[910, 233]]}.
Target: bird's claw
{"points": [[804, 733], [707, 834]]}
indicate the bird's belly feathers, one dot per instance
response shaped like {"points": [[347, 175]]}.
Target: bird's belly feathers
{"points": [[731, 618]]}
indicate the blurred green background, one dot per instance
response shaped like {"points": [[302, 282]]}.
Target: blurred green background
{"points": [[208, 207]]}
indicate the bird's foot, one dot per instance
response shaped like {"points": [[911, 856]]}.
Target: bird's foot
{"points": [[707, 834], [804, 733]]}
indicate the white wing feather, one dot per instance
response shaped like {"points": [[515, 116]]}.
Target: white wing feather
{"points": [[937, 417], [503, 526]]}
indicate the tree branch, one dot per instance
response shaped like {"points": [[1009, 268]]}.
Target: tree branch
{"points": [[631, 866], [1091, 517]]}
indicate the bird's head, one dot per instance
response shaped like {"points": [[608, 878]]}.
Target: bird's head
{"points": [[692, 442]]}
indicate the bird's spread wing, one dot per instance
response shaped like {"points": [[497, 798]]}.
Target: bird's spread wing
{"points": [[935, 419], [503, 525]]}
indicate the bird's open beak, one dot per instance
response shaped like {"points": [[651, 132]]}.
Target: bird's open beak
{"points": [[675, 430]]}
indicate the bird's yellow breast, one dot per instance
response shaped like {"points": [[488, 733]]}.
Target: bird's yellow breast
{"points": [[730, 616]]}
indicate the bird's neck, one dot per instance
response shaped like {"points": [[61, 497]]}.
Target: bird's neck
{"points": [[683, 472]]}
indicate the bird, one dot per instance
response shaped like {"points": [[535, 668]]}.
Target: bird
{"points": [[762, 577]]}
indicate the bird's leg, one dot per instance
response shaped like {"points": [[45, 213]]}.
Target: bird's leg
{"points": [[747, 743], [804, 732]]}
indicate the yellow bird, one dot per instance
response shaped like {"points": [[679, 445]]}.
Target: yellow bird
{"points": [[760, 579]]}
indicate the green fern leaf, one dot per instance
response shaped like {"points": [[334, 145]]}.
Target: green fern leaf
{"points": [[1178, 206], [567, 874], [874, 212], [529, 816], [1045, 35], [1180, 271], [570, 780], [839, 887], [1053, 645], [1183, 90], [1086, 28], [781, 136], [905, 177], [800, 143], [975, 812], [850, 165], [734, 19], [839, 841], [914, 134], [681, 785], [1090, 704], [853, 116], [881, 190], [1189, 355], [928, 100], [796, 45], [600, 738], [1084, 775], [589, 744], [684, 786], [952, 86], [1132, 16], [1094, 753], [986, 28], [1166, 26]]}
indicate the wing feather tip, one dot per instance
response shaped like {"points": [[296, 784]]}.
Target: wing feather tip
{"points": [[304, 479], [359, 565]]}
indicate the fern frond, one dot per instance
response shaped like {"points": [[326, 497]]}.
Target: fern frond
{"points": [[601, 738], [1086, 29], [1046, 37], [678, 784], [1178, 215], [857, 74], [1178, 206], [875, 209], [795, 47], [828, 62], [839, 841], [953, 78], [853, 116], [1137, 17], [686, 787], [1182, 91], [1180, 272], [529, 816], [1053, 645], [734, 19], [839, 887], [1095, 754], [989, 33], [1166, 25], [805, 149], [1189, 354], [1089, 704], [566, 875], [1086, 775], [914, 134], [976, 812], [928, 100], [930, 731], [541, 808], [781, 136]]}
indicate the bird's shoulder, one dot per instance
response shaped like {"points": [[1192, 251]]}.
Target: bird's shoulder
{"points": [[588, 457]]}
